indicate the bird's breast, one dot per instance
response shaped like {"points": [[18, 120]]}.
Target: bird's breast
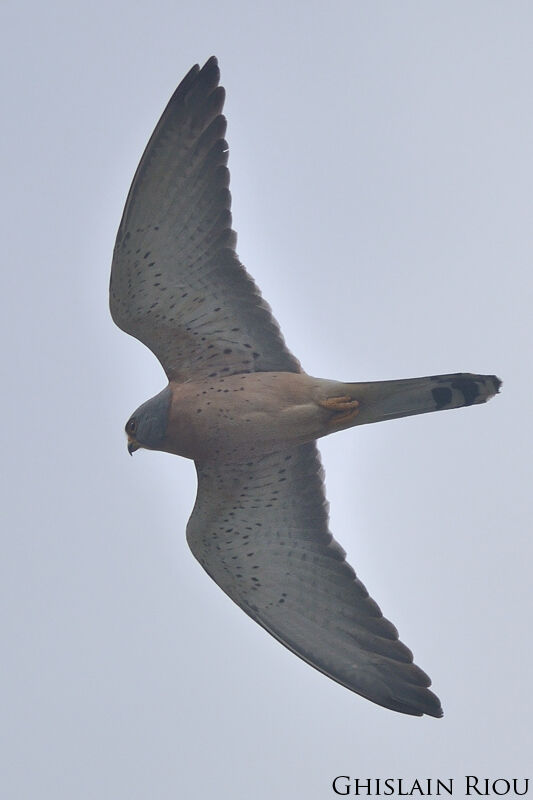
{"points": [[235, 417]]}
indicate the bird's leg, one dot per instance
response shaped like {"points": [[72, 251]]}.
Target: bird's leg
{"points": [[343, 409]]}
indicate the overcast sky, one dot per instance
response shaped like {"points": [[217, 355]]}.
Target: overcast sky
{"points": [[382, 180]]}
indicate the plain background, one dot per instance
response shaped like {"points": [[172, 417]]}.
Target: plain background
{"points": [[382, 184]]}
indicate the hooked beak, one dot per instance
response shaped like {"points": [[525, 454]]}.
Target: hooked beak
{"points": [[132, 446]]}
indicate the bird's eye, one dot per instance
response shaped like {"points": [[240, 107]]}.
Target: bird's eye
{"points": [[131, 426]]}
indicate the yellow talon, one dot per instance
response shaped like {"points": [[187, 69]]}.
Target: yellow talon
{"points": [[343, 408]]}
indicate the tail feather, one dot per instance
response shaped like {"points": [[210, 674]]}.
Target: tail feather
{"points": [[381, 400]]}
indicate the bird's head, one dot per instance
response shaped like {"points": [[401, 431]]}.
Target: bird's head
{"points": [[148, 425]]}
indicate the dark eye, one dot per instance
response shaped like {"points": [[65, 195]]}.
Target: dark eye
{"points": [[131, 425]]}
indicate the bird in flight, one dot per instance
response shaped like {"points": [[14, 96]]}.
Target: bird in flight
{"points": [[240, 405]]}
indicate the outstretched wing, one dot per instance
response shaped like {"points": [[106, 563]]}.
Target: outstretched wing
{"points": [[176, 281], [261, 532]]}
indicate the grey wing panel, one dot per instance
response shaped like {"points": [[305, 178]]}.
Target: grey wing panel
{"points": [[261, 532], [176, 281]]}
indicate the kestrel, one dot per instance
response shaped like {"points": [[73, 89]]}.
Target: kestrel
{"points": [[239, 404]]}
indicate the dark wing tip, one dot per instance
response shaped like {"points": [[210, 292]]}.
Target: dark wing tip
{"points": [[210, 73], [404, 687], [205, 79], [432, 705], [415, 700]]}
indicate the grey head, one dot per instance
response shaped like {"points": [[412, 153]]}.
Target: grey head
{"points": [[147, 426]]}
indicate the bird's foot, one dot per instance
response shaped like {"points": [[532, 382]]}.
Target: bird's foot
{"points": [[343, 409]]}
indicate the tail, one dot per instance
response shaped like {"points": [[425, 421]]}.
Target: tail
{"points": [[381, 400]]}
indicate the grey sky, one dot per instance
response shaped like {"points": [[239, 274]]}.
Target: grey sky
{"points": [[381, 169]]}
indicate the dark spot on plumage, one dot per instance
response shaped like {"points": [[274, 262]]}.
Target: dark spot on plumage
{"points": [[442, 396], [468, 388]]}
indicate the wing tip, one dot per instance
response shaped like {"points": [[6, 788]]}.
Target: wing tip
{"points": [[212, 61], [206, 77], [416, 701], [209, 74], [497, 383]]}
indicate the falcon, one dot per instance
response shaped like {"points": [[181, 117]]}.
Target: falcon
{"points": [[240, 405]]}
